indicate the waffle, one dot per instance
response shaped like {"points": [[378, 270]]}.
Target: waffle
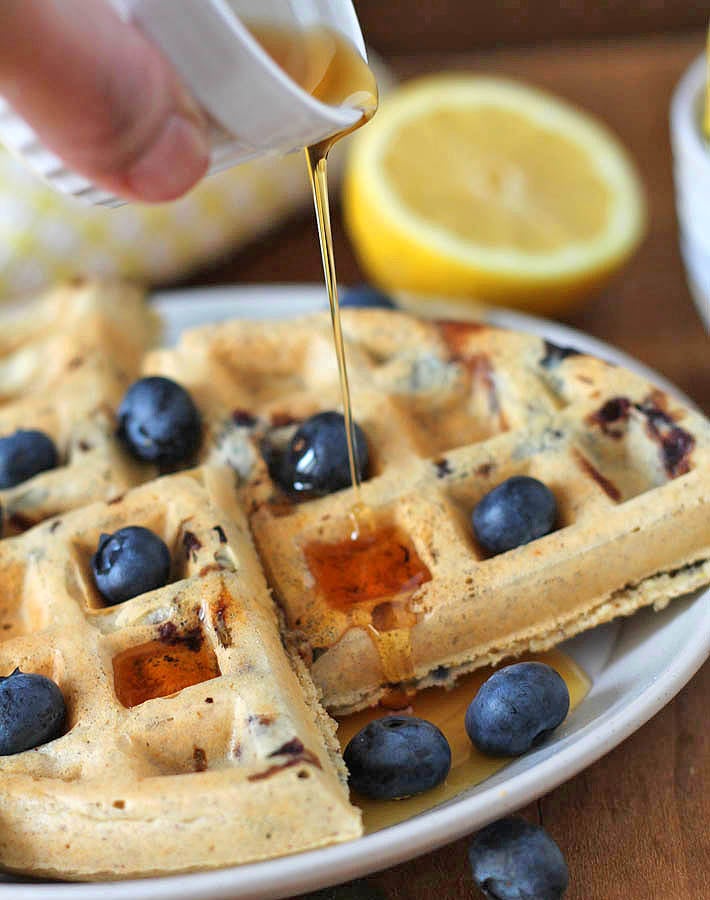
{"points": [[66, 360], [194, 735], [450, 410]]}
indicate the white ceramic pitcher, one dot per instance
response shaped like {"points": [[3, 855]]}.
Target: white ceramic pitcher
{"points": [[256, 108]]}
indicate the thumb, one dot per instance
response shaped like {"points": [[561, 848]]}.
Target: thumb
{"points": [[102, 97]]}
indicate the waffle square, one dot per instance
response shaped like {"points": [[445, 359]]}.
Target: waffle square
{"points": [[66, 360], [195, 738], [450, 410]]}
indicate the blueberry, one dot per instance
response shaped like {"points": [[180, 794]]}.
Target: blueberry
{"points": [[32, 712], [25, 454], [516, 708], [397, 756], [512, 860], [554, 354], [365, 296], [316, 460], [516, 512], [129, 562], [159, 422]]}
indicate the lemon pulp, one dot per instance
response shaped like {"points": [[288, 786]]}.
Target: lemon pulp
{"points": [[483, 188]]}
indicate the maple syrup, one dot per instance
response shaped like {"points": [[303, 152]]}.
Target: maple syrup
{"points": [[326, 65], [447, 709], [372, 579], [158, 668]]}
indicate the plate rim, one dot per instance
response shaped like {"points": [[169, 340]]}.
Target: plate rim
{"points": [[314, 869]]}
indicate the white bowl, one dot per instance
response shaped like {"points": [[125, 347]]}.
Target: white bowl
{"points": [[691, 172]]}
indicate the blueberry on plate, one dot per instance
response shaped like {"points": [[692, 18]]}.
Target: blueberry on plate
{"points": [[396, 757], [129, 562], [363, 295], [516, 708], [25, 454], [159, 422], [513, 860], [315, 462], [516, 512], [32, 712]]}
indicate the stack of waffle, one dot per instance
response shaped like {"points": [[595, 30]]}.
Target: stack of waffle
{"points": [[195, 737]]}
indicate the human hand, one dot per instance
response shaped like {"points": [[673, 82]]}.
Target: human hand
{"points": [[102, 97]]}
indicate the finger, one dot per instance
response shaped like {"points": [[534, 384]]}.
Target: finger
{"points": [[102, 97]]}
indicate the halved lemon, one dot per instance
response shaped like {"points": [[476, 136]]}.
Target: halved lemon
{"points": [[483, 188]]}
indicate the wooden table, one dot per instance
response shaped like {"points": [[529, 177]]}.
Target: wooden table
{"points": [[635, 824]]}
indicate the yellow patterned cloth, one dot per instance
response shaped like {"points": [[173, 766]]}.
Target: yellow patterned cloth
{"points": [[46, 236]]}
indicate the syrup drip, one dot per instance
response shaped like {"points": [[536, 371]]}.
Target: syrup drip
{"points": [[156, 669], [372, 579], [395, 651], [446, 709]]}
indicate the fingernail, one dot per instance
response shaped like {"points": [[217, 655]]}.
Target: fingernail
{"points": [[174, 162]]}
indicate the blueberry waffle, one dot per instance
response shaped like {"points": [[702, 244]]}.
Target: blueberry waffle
{"points": [[192, 736], [66, 359], [450, 411]]}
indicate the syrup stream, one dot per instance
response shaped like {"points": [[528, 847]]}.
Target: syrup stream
{"points": [[317, 164], [329, 68]]}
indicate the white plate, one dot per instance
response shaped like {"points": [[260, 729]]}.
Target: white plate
{"points": [[637, 665]]}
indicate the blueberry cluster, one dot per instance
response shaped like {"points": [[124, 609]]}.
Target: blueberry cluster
{"points": [[515, 709], [401, 756], [393, 757]]}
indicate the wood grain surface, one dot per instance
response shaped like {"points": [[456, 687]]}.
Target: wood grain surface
{"points": [[634, 826], [398, 26]]}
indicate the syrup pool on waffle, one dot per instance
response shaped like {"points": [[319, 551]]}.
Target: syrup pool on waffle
{"points": [[372, 579]]}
